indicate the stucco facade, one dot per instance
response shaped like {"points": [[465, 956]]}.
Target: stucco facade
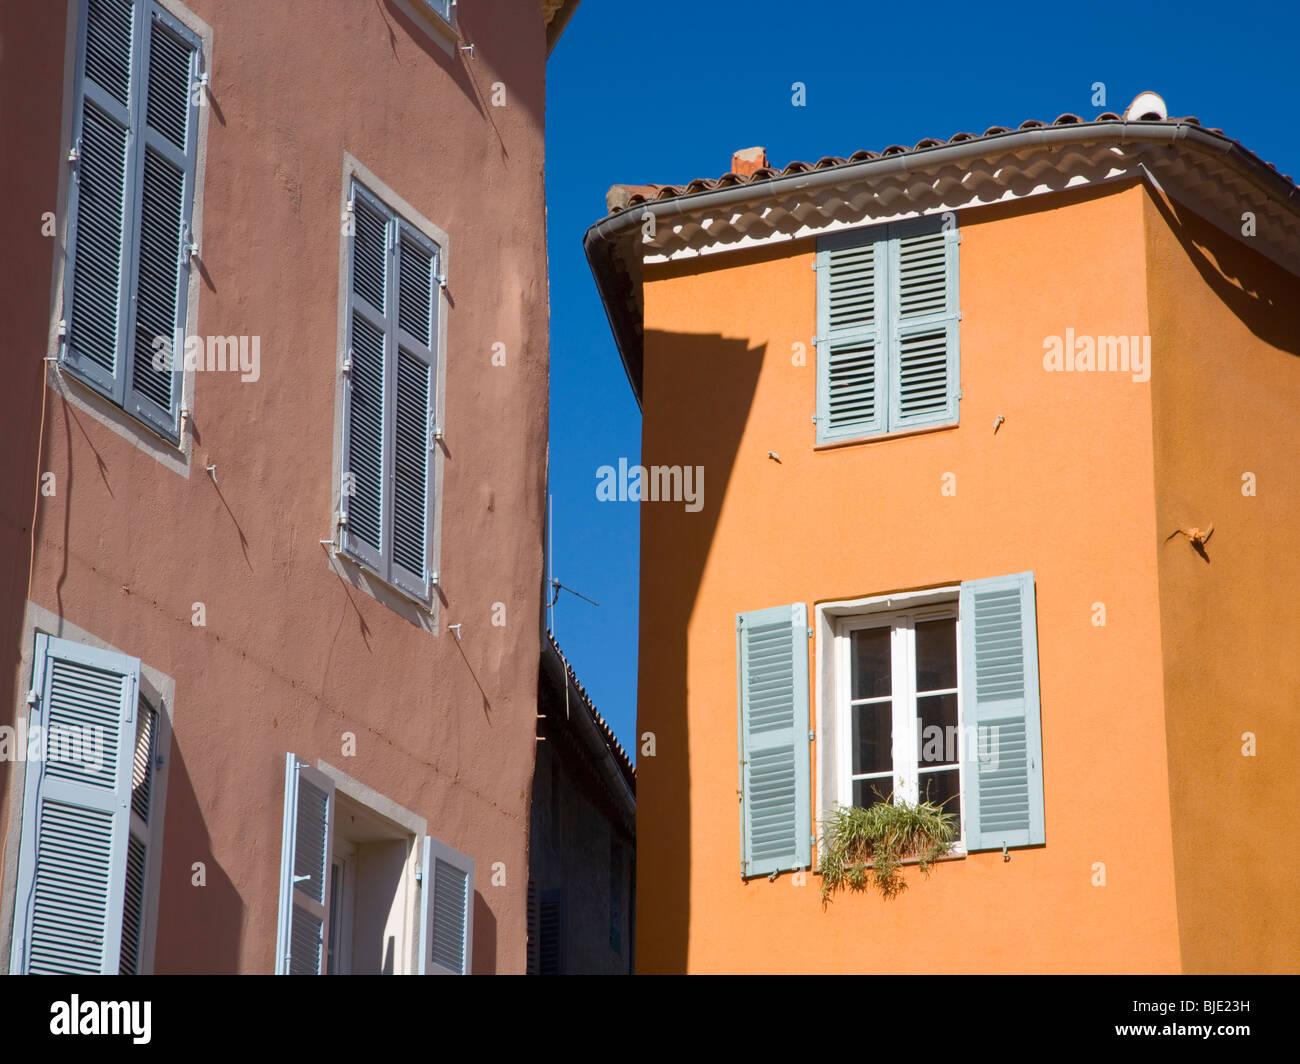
{"points": [[299, 650], [1161, 852]]}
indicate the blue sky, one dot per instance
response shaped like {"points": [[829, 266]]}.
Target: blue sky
{"points": [[640, 94]]}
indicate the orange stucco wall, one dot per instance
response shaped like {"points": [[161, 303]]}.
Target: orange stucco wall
{"points": [[292, 656], [1065, 488], [1225, 397]]}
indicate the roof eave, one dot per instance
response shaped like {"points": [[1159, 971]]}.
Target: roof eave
{"points": [[604, 238]]}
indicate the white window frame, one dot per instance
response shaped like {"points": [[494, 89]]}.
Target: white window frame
{"points": [[835, 622]]}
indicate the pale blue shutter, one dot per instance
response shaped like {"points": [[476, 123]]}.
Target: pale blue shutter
{"points": [[166, 150], [363, 512], [97, 278], [775, 810], [1003, 773], [137, 854], [444, 9], [306, 848], [73, 851], [416, 338], [390, 396], [447, 915], [851, 275], [923, 324]]}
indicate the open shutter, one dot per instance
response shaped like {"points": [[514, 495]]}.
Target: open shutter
{"points": [[1003, 776], [923, 330], [417, 286], [775, 812], [165, 175], [302, 937], [850, 345], [98, 276], [365, 408], [72, 860], [137, 854], [447, 916]]}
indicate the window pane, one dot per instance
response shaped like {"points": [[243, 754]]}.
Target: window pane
{"points": [[938, 741], [871, 664], [942, 789], [936, 655], [873, 726], [867, 793]]}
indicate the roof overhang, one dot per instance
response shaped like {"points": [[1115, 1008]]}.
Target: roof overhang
{"points": [[1211, 174], [556, 15]]}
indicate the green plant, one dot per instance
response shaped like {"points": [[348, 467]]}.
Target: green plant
{"points": [[864, 845]]}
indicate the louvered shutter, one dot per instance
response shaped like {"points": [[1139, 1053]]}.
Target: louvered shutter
{"points": [[850, 343], [302, 935], [552, 922], [923, 330], [775, 813], [165, 173], [131, 207], [416, 335], [97, 277], [390, 395], [73, 851], [1003, 773], [365, 395], [447, 916], [137, 855]]}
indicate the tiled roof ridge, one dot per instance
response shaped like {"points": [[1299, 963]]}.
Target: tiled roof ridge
{"points": [[620, 197], [606, 731]]}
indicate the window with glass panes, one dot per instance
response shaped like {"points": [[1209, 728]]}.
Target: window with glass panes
{"points": [[900, 708]]}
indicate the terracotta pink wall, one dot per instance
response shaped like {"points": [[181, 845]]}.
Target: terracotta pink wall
{"points": [[292, 656]]}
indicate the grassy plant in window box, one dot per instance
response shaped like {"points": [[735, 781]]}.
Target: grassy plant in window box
{"points": [[860, 846]]}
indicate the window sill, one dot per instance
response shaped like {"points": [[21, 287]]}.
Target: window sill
{"points": [[834, 445], [955, 855], [421, 613], [446, 33], [173, 453]]}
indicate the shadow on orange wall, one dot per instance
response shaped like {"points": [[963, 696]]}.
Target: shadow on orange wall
{"points": [[707, 428]]}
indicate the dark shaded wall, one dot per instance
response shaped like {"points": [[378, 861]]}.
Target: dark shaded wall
{"points": [[581, 856]]}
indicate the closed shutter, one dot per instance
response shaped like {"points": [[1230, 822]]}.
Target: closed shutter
{"points": [[447, 916], [363, 510], [850, 353], [73, 852], [887, 329], [1003, 774], [131, 206], [534, 929], [923, 324], [775, 814], [552, 920], [417, 286], [165, 175], [301, 940], [98, 276], [387, 504]]}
